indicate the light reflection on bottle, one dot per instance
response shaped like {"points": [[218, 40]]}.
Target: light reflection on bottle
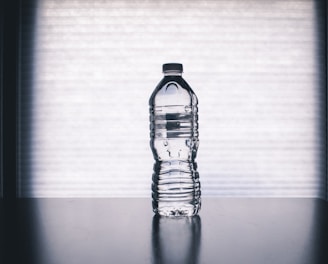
{"points": [[176, 239]]}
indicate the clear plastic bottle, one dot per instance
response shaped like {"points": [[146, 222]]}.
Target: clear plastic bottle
{"points": [[174, 143]]}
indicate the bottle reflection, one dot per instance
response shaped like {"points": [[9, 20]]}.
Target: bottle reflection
{"points": [[176, 239]]}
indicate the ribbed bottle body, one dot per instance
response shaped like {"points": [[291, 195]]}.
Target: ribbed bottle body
{"points": [[174, 143]]}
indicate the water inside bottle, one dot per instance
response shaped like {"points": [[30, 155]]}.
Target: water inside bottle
{"points": [[176, 187]]}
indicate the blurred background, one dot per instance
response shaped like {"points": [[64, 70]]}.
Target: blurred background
{"points": [[87, 69]]}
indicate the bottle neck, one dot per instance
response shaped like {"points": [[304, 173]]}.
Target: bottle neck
{"points": [[173, 73]]}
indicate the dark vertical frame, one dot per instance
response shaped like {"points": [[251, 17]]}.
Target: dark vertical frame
{"points": [[326, 91], [323, 27], [1, 95], [10, 87], [321, 74], [1, 141], [326, 57], [28, 25], [10, 80]]}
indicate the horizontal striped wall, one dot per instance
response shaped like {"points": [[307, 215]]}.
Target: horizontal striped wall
{"points": [[89, 67]]}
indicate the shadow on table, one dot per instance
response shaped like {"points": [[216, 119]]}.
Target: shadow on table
{"points": [[176, 240], [318, 238], [29, 228]]}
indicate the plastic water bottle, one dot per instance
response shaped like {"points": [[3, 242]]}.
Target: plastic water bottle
{"points": [[174, 143]]}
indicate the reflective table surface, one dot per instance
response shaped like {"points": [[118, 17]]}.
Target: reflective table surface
{"points": [[124, 230]]}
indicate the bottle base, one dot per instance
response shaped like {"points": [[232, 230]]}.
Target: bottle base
{"points": [[169, 209]]}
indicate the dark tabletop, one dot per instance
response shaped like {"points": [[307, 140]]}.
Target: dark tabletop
{"points": [[230, 230]]}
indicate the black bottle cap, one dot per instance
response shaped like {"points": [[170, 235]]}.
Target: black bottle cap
{"points": [[167, 67]]}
